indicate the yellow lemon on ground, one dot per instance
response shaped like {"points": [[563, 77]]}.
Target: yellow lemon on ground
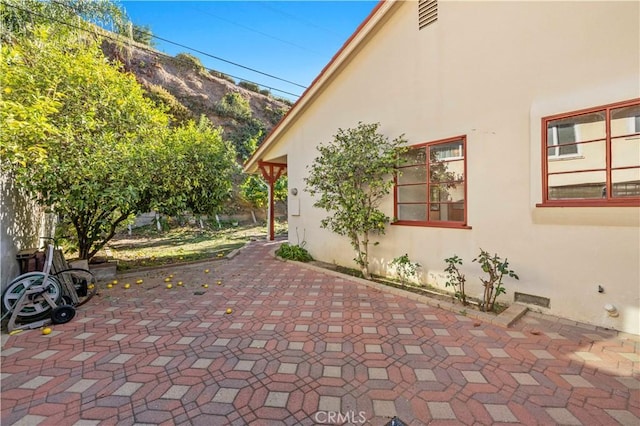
{"points": [[127, 285], [219, 282], [229, 310], [166, 280], [220, 254], [179, 282], [206, 271], [170, 275], [46, 331], [90, 286], [205, 285], [109, 285], [139, 282], [169, 286], [114, 282]]}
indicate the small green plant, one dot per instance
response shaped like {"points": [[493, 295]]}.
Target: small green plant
{"points": [[222, 76], [249, 86], [405, 268], [496, 268], [189, 61], [234, 105], [455, 278], [294, 252]]}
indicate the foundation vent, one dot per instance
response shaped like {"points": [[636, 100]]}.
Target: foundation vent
{"points": [[530, 299], [427, 12]]}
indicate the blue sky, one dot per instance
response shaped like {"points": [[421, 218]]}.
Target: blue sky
{"points": [[292, 40]]}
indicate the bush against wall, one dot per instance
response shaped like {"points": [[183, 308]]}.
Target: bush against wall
{"points": [[350, 178]]}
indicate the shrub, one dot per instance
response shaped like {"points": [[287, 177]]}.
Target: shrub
{"points": [[222, 76], [158, 94], [294, 252], [349, 179], [456, 279], [283, 100], [189, 61], [497, 269], [405, 268], [249, 86], [274, 114], [234, 105]]}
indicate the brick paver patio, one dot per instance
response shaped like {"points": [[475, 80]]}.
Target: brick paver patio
{"points": [[303, 347]]}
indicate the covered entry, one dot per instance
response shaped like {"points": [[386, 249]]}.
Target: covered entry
{"points": [[271, 172]]}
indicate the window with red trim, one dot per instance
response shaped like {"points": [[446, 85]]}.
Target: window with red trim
{"points": [[592, 157], [431, 186]]}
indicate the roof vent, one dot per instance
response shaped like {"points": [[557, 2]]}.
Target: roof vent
{"points": [[427, 12]]}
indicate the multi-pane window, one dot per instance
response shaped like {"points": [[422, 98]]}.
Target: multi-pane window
{"points": [[592, 157], [431, 184], [561, 140]]}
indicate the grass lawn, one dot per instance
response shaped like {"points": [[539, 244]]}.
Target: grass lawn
{"points": [[147, 247]]}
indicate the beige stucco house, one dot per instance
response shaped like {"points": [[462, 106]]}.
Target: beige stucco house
{"points": [[533, 108]]}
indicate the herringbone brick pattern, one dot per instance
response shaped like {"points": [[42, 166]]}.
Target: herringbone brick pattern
{"points": [[302, 347]]}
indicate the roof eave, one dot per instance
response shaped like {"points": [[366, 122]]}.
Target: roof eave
{"points": [[352, 43]]}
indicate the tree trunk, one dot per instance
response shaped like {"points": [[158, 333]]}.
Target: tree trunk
{"points": [[365, 257]]}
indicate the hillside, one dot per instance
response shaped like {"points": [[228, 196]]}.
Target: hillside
{"points": [[183, 84]]}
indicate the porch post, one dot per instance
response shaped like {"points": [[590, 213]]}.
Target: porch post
{"points": [[271, 172], [272, 233]]}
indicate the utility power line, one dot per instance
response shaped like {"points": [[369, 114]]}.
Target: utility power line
{"points": [[153, 51], [245, 27]]}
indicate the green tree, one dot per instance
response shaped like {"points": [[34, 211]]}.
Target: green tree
{"points": [[351, 177], [255, 191], [246, 137], [234, 105], [248, 131], [142, 34], [18, 17], [206, 166], [76, 132]]}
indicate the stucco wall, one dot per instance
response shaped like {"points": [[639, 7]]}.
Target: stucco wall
{"points": [[491, 71], [21, 225]]}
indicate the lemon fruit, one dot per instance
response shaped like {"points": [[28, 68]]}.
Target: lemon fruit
{"points": [[166, 280], [179, 282], [206, 271], [219, 282], [205, 285], [109, 285], [46, 331], [169, 286], [114, 282], [229, 310], [139, 282], [127, 285]]}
